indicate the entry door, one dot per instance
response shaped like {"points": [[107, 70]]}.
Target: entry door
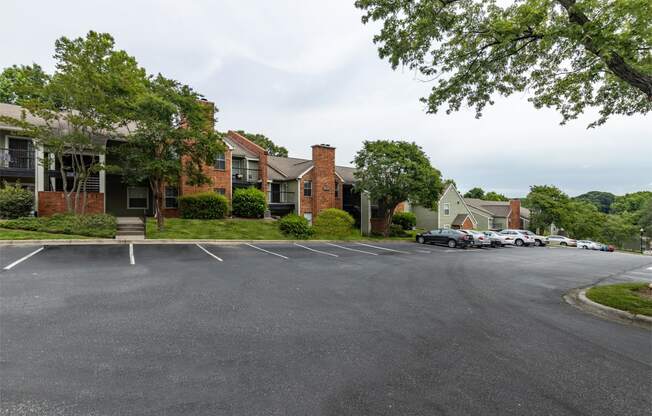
{"points": [[276, 193]]}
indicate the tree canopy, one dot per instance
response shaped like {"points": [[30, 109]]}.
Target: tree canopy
{"points": [[24, 82], [266, 143], [602, 200], [569, 54], [477, 193], [495, 196], [396, 171]]}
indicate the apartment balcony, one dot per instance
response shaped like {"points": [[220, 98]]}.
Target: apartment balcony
{"points": [[245, 176], [17, 162], [280, 197]]}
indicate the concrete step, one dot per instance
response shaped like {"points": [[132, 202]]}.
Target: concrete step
{"points": [[131, 227], [130, 232]]}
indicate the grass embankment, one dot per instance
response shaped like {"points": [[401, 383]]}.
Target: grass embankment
{"points": [[238, 229], [69, 226], [630, 297], [6, 234]]}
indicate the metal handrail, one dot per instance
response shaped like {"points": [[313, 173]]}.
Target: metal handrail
{"points": [[280, 197], [17, 159]]}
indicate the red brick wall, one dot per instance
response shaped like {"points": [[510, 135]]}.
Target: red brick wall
{"points": [[514, 220], [323, 174], [258, 151], [218, 179], [306, 201], [55, 203]]}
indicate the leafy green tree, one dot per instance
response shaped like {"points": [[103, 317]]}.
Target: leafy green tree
{"points": [[547, 204], [602, 200], [645, 219], [86, 99], [24, 82], [495, 196], [617, 230], [477, 193], [631, 203], [396, 171], [173, 138], [266, 143], [582, 220], [570, 54]]}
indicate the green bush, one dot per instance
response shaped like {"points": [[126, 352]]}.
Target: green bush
{"points": [[95, 225], [334, 223], [295, 226], [203, 206], [15, 202], [406, 220], [396, 230], [249, 203]]}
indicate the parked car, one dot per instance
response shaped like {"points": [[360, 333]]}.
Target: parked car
{"points": [[561, 241], [539, 240], [446, 236], [518, 237], [498, 240], [479, 239], [588, 245]]}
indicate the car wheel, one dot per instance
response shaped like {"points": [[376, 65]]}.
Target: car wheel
{"points": [[586, 247], [563, 244], [519, 242], [421, 240], [537, 243], [452, 243]]}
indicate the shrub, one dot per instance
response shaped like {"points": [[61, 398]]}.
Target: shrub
{"points": [[334, 222], [295, 226], [95, 225], [249, 203], [15, 202], [406, 220], [396, 230], [203, 206]]}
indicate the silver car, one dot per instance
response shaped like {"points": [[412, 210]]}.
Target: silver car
{"points": [[560, 240], [479, 239]]}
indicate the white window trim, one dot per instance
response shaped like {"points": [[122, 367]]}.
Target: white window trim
{"points": [[447, 207], [304, 189], [146, 193], [215, 162], [165, 198]]}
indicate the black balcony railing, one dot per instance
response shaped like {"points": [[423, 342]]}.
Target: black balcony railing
{"points": [[22, 159], [243, 175], [280, 197]]}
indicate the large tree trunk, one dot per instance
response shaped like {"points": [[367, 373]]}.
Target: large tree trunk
{"points": [[387, 208], [158, 204], [615, 62]]}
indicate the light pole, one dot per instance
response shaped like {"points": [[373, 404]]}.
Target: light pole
{"points": [[642, 231]]}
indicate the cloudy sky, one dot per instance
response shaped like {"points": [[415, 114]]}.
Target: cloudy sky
{"points": [[306, 71]]}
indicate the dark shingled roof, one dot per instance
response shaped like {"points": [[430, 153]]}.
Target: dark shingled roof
{"points": [[288, 168]]}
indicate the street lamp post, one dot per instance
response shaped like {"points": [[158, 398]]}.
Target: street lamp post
{"points": [[642, 231]]}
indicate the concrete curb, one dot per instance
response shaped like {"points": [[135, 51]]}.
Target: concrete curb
{"points": [[578, 298], [108, 241]]}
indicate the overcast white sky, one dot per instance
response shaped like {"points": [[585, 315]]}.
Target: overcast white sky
{"points": [[306, 71]]}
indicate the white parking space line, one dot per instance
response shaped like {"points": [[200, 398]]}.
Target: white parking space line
{"points": [[649, 268], [424, 251], [22, 259], [266, 251], [316, 251], [352, 249], [209, 253], [382, 248], [132, 259]]}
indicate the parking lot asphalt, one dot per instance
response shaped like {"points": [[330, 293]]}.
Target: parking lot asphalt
{"points": [[314, 328]]}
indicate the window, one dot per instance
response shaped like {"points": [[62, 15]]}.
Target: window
{"points": [[447, 209], [307, 188], [337, 189], [221, 191], [220, 161], [490, 223], [137, 198], [171, 197]]}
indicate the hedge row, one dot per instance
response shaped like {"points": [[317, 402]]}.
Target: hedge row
{"points": [[95, 225]]}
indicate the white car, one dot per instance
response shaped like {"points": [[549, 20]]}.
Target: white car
{"points": [[519, 239], [539, 240], [479, 239], [561, 241], [499, 240], [588, 245]]}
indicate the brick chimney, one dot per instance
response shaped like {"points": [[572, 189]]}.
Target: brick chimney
{"points": [[323, 177], [515, 216]]}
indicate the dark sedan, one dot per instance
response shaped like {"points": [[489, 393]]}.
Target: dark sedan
{"points": [[445, 236]]}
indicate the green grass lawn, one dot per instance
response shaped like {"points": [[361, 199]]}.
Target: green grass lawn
{"points": [[622, 296], [237, 229], [6, 234]]}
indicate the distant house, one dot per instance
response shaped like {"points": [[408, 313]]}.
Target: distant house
{"points": [[455, 211]]}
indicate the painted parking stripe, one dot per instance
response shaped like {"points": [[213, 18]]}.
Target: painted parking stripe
{"points": [[649, 268], [352, 249], [424, 251], [266, 251], [132, 259], [22, 259], [209, 253], [382, 248], [316, 251]]}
